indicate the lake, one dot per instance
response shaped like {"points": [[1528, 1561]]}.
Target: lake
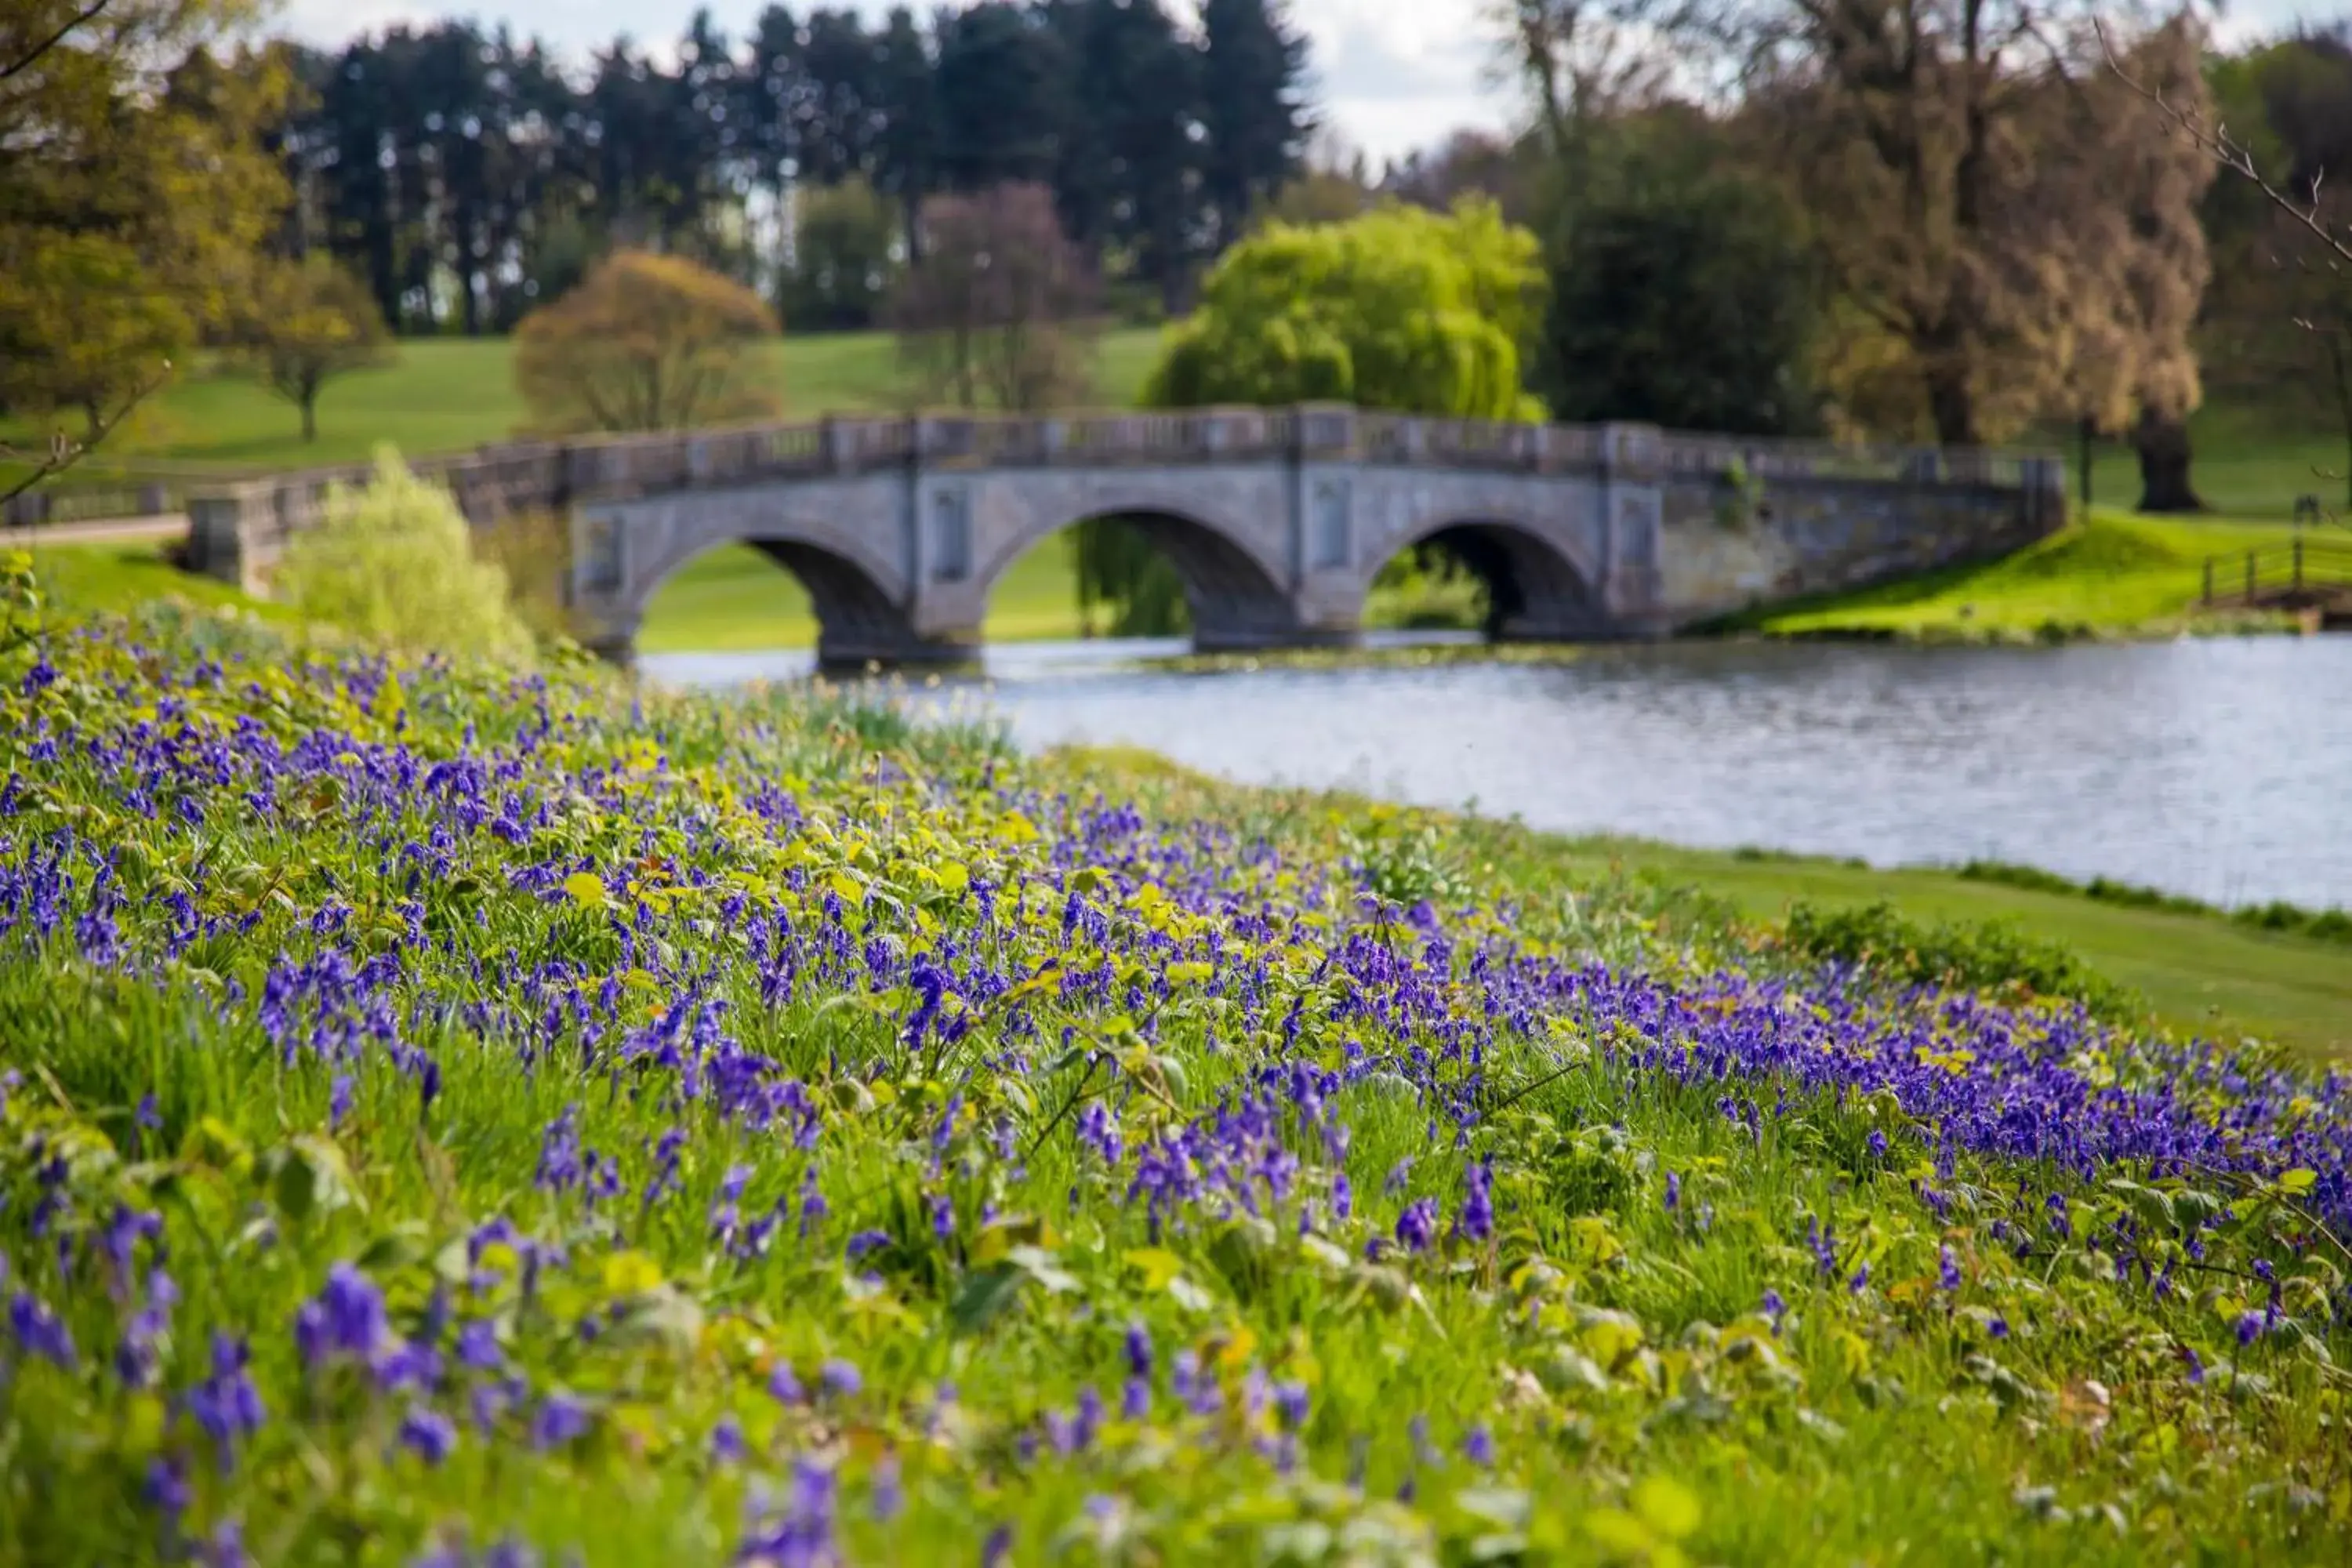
{"points": [[2217, 768]]}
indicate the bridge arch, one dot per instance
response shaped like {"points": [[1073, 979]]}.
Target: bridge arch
{"points": [[1234, 581], [856, 592], [1540, 586]]}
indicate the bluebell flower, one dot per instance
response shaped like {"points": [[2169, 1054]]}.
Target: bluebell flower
{"points": [[1416, 1226], [38, 1333], [887, 1495], [429, 1434], [226, 1407], [559, 1420], [1478, 1446]]}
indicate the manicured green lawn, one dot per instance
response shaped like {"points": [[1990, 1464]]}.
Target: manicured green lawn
{"points": [[87, 578], [2114, 574], [2251, 462], [448, 395]]}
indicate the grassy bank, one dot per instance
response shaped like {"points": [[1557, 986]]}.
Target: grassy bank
{"points": [[2111, 576], [455, 1109], [2200, 972]]}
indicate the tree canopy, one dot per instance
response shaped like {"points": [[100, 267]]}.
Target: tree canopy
{"points": [[994, 315], [648, 343], [463, 169], [136, 182], [307, 323], [1683, 292], [1401, 308]]}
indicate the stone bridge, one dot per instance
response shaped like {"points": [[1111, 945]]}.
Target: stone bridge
{"points": [[1276, 520]]}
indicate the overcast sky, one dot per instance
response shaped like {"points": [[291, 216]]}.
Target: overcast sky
{"points": [[1389, 74]]}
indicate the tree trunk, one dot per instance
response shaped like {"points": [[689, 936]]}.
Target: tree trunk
{"points": [[311, 416], [2163, 455], [1951, 404]]}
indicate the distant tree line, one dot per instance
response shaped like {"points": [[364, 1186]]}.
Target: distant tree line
{"points": [[469, 175]]}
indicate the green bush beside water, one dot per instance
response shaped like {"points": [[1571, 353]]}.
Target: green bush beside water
{"points": [[2320, 925]]}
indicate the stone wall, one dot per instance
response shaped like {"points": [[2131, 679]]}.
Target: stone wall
{"points": [[1727, 548]]}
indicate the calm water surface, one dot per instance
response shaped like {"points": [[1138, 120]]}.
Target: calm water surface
{"points": [[2220, 769]]}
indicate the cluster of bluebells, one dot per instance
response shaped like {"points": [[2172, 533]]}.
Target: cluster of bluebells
{"points": [[666, 929]]}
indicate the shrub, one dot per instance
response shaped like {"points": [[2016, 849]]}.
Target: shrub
{"points": [[533, 550], [1989, 955], [394, 563], [648, 343]]}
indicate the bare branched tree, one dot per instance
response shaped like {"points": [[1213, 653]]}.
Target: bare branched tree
{"points": [[23, 52], [998, 312], [64, 451], [1581, 59], [2213, 139]]}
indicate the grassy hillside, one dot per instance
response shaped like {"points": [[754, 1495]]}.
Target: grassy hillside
{"points": [[467, 1114], [451, 394], [2253, 462], [2200, 974]]}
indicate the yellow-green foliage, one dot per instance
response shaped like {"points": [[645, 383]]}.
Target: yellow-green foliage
{"points": [[645, 343], [1401, 308], [394, 562]]}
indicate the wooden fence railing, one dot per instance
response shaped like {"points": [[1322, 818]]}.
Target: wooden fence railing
{"points": [[2301, 572]]}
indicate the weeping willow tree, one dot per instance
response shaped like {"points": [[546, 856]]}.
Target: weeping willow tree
{"points": [[1123, 574], [1401, 308]]}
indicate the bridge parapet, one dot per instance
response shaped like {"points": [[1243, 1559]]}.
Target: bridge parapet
{"points": [[1280, 516]]}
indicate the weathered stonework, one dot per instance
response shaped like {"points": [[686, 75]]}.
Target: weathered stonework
{"points": [[1276, 520]]}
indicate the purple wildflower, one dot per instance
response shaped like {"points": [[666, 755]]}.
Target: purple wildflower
{"points": [[429, 1434], [560, 1420], [1416, 1227]]}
